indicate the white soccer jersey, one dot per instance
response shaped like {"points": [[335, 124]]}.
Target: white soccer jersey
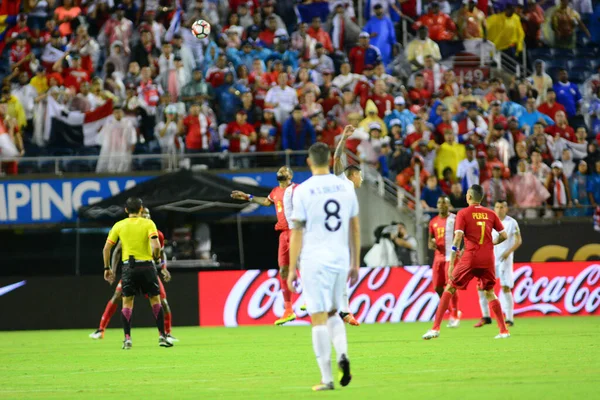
{"points": [[326, 204], [512, 228]]}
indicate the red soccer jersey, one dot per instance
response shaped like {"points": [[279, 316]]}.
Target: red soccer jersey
{"points": [[567, 132], [545, 108], [477, 223], [384, 104], [276, 197], [437, 230], [235, 143]]}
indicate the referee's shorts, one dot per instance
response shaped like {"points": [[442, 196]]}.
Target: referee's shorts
{"points": [[139, 277]]}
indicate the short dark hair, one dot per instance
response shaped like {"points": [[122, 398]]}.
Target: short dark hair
{"points": [[477, 193], [133, 205], [500, 201], [351, 170], [319, 154]]}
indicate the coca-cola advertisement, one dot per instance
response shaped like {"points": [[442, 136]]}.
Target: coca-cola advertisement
{"points": [[398, 294]]}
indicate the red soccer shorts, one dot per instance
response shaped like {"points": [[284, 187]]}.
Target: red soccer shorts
{"points": [[439, 272], [469, 267], [283, 254]]}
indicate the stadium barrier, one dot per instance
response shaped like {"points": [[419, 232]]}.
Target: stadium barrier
{"points": [[232, 298]]}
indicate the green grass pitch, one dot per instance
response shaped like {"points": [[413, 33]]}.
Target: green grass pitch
{"points": [[546, 358]]}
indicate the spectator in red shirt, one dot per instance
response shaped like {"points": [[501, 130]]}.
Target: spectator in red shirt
{"points": [[448, 181], [490, 162], [532, 20], [363, 54], [330, 132], [269, 132], [440, 25], [551, 107], [495, 114], [316, 32], [447, 123], [215, 75], [20, 54], [241, 135], [20, 28], [363, 87], [196, 128], [383, 100], [267, 36], [561, 128], [75, 74], [418, 94]]}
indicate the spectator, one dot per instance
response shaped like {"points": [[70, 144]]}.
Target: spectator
{"points": [[471, 22], [26, 95], [440, 26], [400, 113], [593, 187], [117, 141], [406, 246], [557, 185], [551, 107], [383, 34], [321, 36], [145, 52], [383, 101], [405, 179], [529, 192], [457, 197], [447, 180], [567, 162], [322, 64], [13, 108], [418, 93], [497, 188], [242, 138], [564, 21], [531, 117], [344, 31], [268, 9], [364, 54], [561, 128], [540, 81], [502, 146], [167, 132], [532, 18], [346, 79], [372, 117], [506, 32], [449, 154], [64, 15], [331, 131], [446, 124], [521, 155], [11, 141], [311, 107], [303, 43], [196, 128], [282, 99], [578, 185], [489, 163], [430, 194], [400, 159], [420, 48], [196, 91], [468, 169], [298, 133], [567, 94]]}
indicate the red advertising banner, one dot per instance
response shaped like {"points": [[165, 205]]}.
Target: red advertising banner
{"points": [[392, 294]]}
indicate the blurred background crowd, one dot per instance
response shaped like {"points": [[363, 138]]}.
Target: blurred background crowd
{"points": [[116, 78]]}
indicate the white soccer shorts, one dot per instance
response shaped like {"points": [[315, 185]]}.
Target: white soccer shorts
{"points": [[504, 272], [323, 288]]}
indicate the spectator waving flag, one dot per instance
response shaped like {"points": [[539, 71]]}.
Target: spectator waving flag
{"points": [[175, 23], [73, 128]]}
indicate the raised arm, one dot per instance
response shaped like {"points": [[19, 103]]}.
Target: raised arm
{"points": [[338, 164], [262, 201]]}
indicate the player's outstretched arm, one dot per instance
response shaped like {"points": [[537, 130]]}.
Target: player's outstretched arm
{"points": [[262, 201], [338, 165], [295, 247], [354, 249]]}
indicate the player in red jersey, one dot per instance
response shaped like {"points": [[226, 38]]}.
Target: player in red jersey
{"points": [[111, 306], [281, 197], [441, 228], [475, 223]]}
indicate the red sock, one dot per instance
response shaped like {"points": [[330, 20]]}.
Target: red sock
{"points": [[454, 305], [108, 313], [287, 294], [497, 312], [441, 310], [168, 323]]}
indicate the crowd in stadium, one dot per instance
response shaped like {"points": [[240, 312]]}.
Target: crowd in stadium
{"points": [[280, 75]]}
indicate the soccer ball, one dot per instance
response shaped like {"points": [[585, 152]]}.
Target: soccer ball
{"points": [[201, 29]]}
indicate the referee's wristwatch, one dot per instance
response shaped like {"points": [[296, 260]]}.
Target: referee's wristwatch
{"points": [[107, 268]]}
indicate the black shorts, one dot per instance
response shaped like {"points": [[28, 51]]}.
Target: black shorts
{"points": [[141, 278]]}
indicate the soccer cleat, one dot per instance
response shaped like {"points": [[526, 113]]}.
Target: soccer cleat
{"points": [[344, 375], [303, 307], [509, 323], [288, 316], [163, 341], [504, 335], [323, 386], [431, 334], [127, 344], [454, 322], [483, 321], [99, 334], [171, 339]]}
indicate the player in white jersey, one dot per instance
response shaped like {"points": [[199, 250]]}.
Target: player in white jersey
{"points": [[325, 240], [504, 254], [351, 173]]}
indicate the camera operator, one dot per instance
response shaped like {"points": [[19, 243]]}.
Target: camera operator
{"points": [[406, 245]]}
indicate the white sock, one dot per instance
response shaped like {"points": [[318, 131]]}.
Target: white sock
{"points": [[509, 304], [337, 334], [345, 307], [322, 348], [483, 303]]}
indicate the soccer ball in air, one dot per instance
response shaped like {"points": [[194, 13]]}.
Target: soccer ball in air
{"points": [[201, 29]]}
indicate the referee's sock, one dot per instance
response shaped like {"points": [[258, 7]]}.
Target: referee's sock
{"points": [[159, 315], [126, 318]]}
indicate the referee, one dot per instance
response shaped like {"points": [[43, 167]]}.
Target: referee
{"points": [[139, 247]]}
